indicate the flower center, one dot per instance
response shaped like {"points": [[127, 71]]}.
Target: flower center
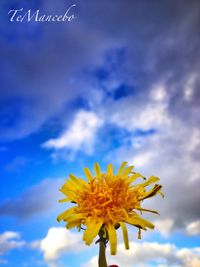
{"points": [[109, 199]]}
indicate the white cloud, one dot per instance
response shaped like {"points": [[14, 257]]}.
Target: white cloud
{"points": [[142, 254], [81, 134], [10, 240], [164, 226], [158, 93], [189, 87], [57, 242], [141, 159], [143, 114], [193, 228], [153, 116], [194, 140], [189, 257]]}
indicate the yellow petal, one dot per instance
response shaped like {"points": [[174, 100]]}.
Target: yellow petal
{"points": [[97, 170], [66, 213], [71, 185], [73, 224], [124, 212], [64, 200], [151, 180], [110, 170], [70, 194], [74, 220], [142, 209], [88, 174], [152, 192], [92, 231], [121, 169], [140, 222], [125, 235], [127, 170], [112, 238], [79, 183], [134, 176], [73, 217], [73, 177]]}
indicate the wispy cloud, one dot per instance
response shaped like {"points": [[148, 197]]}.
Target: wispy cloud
{"points": [[193, 228], [80, 135], [10, 240], [164, 226]]}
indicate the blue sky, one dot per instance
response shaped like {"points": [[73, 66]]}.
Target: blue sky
{"points": [[118, 83]]}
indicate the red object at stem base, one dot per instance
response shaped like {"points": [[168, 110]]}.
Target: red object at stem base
{"points": [[113, 266]]}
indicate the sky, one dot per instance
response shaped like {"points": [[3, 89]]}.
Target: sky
{"points": [[119, 82]]}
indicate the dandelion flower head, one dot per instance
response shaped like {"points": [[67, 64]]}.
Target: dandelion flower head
{"points": [[106, 202]]}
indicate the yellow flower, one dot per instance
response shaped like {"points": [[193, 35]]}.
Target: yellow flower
{"points": [[106, 202]]}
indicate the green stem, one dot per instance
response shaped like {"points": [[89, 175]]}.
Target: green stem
{"points": [[102, 255]]}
